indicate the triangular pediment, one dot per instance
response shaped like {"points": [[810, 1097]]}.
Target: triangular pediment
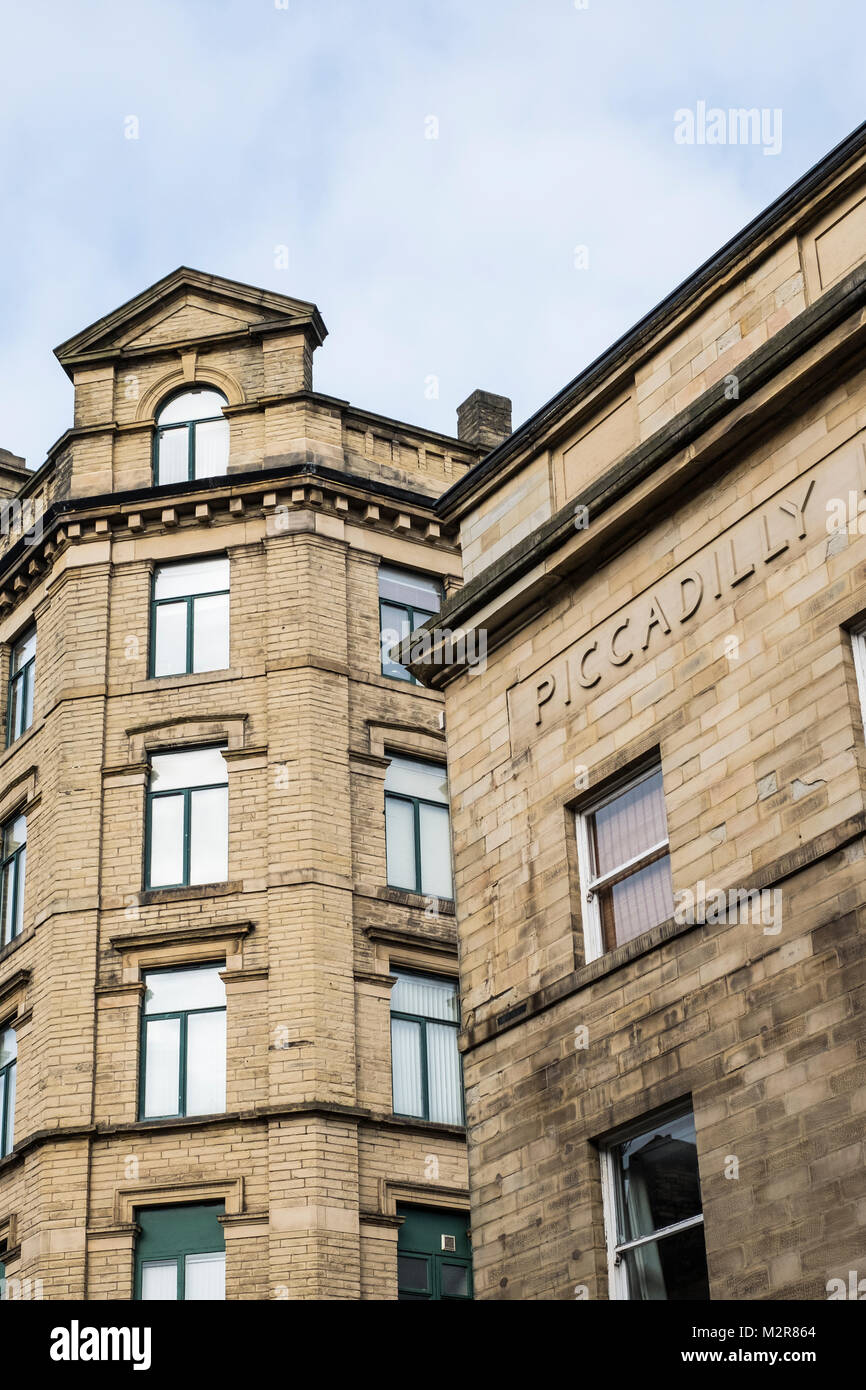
{"points": [[185, 320], [184, 308]]}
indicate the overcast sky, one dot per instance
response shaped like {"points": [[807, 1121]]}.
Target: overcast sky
{"points": [[305, 124]]}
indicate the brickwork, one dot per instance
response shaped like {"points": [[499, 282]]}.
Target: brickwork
{"points": [[699, 610], [308, 1143]]}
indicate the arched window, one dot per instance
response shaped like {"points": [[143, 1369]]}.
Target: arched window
{"points": [[192, 437]]}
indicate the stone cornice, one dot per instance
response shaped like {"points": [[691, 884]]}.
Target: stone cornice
{"points": [[177, 936], [708, 437], [422, 941], [428, 1129], [293, 486]]}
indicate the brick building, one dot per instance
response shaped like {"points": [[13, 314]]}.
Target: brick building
{"points": [[657, 787], [209, 935]]}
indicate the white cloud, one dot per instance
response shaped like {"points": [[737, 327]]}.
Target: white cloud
{"points": [[305, 127]]}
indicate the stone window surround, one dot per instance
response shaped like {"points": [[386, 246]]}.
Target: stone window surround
{"points": [[122, 1230], [604, 790], [605, 1145], [9, 1236], [420, 1194], [176, 947]]}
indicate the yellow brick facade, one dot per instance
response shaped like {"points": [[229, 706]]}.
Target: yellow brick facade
{"points": [[309, 1155]]}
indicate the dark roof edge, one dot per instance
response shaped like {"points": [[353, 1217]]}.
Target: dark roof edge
{"points": [[840, 303], [753, 232], [66, 506]]}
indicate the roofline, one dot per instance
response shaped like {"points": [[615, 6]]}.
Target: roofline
{"points": [[203, 280], [64, 507], [751, 235], [457, 444]]}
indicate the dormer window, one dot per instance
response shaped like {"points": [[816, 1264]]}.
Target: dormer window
{"points": [[192, 437]]}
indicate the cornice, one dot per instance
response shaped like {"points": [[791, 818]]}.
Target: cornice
{"points": [[289, 312], [177, 936], [298, 486], [710, 434]]}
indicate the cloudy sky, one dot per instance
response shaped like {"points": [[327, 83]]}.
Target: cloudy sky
{"points": [[307, 125]]}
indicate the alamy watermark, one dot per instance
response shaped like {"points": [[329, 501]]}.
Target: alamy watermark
{"points": [[760, 907], [440, 646], [19, 519], [740, 125]]}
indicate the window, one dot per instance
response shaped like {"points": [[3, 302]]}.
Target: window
{"points": [[183, 1043], [180, 1254], [8, 1066], [434, 1260], [653, 1214], [187, 818], [192, 437], [190, 618], [406, 601], [19, 704], [13, 845], [425, 1064], [624, 863], [418, 828], [858, 646]]}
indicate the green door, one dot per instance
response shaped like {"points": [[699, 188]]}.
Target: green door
{"points": [[434, 1258]]}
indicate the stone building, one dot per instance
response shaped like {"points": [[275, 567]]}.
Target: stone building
{"points": [[657, 785], [209, 934]]}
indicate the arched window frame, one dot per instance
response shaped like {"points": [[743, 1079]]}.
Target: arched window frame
{"points": [[191, 427]]}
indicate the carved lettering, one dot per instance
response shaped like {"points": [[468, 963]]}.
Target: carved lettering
{"points": [[617, 660], [587, 681], [770, 550], [722, 566], [543, 694], [656, 619], [797, 512], [737, 577], [689, 608]]}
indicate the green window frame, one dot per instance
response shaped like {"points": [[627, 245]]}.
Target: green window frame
{"points": [[418, 828], [192, 838], [19, 695], [172, 1240], [427, 1270], [183, 1049], [8, 1078], [184, 433], [426, 1070], [407, 600], [191, 604], [13, 858]]}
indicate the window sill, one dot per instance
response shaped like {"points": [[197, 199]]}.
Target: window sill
{"points": [[429, 1126], [185, 678], [15, 944], [444, 907], [378, 678], [191, 891], [175, 1121], [12, 748]]}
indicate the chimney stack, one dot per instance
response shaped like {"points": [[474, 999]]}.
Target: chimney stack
{"points": [[484, 419]]}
